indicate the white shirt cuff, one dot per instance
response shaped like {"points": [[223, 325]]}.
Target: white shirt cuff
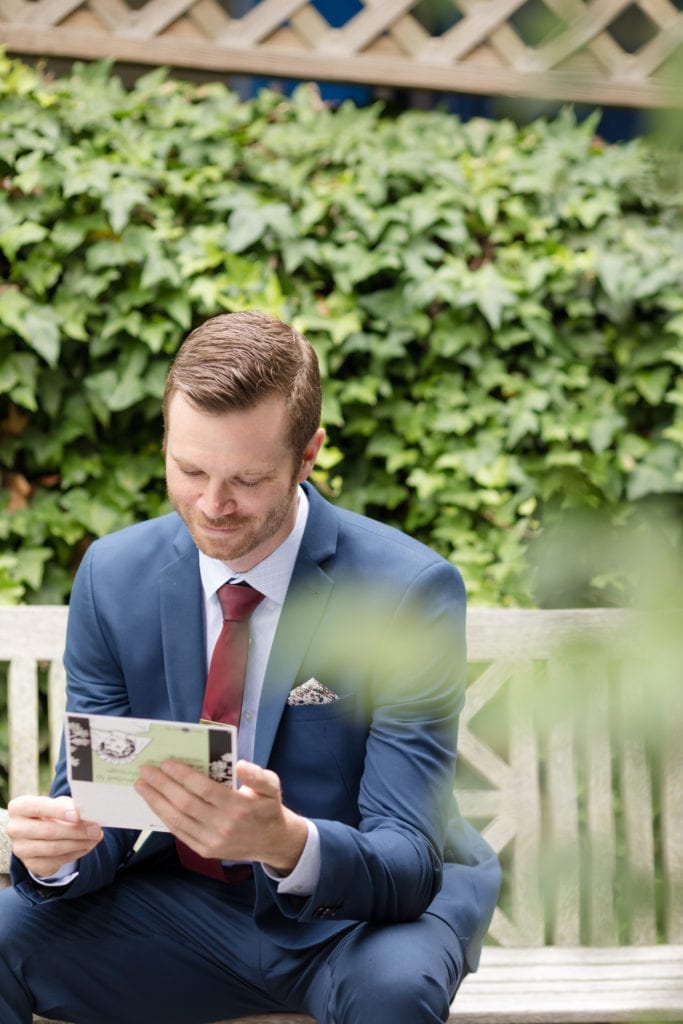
{"points": [[66, 874], [304, 878]]}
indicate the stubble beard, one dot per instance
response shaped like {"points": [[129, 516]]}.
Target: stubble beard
{"points": [[254, 531]]}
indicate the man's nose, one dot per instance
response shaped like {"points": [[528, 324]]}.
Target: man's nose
{"points": [[216, 501]]}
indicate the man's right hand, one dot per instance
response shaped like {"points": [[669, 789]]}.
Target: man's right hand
{"points": [[47, 832]]}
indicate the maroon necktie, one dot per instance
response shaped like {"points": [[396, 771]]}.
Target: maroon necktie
{"points": [[223, 695]]}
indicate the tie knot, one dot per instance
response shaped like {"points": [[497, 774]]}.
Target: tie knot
{"points": [[238, 600]]}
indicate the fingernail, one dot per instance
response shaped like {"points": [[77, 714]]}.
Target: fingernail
{"points": [[93, 830]]}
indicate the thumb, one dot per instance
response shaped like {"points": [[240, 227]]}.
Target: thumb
{"points": [[261, 780]]}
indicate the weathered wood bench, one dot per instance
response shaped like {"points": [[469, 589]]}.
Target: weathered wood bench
{"points": [[571, 763]]}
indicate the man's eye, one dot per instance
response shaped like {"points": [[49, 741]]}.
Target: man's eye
{"points": [[248, 483]]}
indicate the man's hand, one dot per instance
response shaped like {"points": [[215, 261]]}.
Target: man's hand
{"points": [[216, 821], [47, 832]]}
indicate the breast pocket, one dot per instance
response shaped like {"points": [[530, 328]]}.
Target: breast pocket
{"points": [[318, 754]]}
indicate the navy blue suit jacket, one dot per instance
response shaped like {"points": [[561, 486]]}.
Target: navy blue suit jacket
{"points": [[374, 616]]}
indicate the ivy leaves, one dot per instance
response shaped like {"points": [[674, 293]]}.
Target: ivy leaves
{"points": [[497, 311]]}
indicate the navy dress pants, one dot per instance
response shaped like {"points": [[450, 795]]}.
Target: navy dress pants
{"points": [[166, 946]]}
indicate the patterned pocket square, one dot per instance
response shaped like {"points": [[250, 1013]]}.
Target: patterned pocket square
{"points": [[312, 692]]}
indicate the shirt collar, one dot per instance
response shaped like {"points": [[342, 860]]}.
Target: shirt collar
{"points": [[270, 576]]}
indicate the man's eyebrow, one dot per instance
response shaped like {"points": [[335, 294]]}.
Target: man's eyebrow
{"points": [[246, 471], [255, 472], [180, 458]]}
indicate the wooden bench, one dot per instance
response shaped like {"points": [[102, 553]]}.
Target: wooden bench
{"points": [[571, 763]]}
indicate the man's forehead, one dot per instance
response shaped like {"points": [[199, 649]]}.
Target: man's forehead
{"points": [[271, 401]]}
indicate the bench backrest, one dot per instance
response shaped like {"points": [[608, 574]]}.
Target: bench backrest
{"points": [[570, 763]]}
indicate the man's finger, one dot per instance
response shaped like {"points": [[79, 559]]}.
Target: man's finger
{"points": [[52, 830], [175, 805], [62, 807], [63, 849], [174, 779]]}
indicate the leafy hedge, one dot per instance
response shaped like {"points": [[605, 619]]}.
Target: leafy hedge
{"points": [[498, 312]]}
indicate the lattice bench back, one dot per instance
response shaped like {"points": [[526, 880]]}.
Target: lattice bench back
{"points": [[571, 763]]}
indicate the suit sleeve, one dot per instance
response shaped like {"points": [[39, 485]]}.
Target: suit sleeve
{"points": [[389, 866], [94, 685]]}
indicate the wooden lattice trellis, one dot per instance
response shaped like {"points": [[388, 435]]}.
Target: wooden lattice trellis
{"points": [[482, 49]]}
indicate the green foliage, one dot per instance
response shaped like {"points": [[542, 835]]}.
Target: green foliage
{"points": [[498, 313]]}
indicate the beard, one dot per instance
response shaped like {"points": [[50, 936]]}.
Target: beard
{"points": [[250, 532]]}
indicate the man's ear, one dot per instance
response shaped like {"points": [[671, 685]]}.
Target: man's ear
{"points": [[310, 455]]}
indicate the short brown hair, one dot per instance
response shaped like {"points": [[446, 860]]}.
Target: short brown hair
{"points": [[234, 360]]}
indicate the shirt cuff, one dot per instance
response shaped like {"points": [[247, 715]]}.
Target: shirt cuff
{"points": [[304, 878], [64, 876]]}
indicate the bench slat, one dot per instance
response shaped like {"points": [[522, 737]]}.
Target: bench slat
{"points": [[672, 833], [5, 849], [56, 706], [526, 800], [636, 796], [36, 628], [581, 984], [564, 824], [22, 708], [600, 815], [537, 633]]}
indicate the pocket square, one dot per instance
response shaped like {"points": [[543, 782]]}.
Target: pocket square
{"points": [[312, 692]]}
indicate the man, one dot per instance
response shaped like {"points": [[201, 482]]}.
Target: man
{"points": [[337, 879]]}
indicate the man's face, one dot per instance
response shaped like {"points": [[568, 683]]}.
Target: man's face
{"points": [[231, 477]]}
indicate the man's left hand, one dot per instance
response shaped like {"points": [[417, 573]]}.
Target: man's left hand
{"points": [[217, 821]]}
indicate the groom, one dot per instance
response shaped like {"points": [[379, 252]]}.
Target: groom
{"points": [[338, 878]]}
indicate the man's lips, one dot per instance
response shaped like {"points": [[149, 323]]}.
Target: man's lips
{"points": [[221, 527]]}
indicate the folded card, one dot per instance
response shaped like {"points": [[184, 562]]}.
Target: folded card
{"points": [[106, 752]]}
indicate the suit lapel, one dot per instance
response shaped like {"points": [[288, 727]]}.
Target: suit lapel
{"points": [[182, 625], [307, 597], [182, 631]]}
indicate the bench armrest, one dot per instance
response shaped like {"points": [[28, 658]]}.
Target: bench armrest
{"points": [[5, 848]]}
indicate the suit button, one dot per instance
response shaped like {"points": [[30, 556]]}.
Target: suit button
{"points": [[323, 913]]}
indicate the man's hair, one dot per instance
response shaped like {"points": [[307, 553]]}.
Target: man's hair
{"points": [[235, 360]]}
